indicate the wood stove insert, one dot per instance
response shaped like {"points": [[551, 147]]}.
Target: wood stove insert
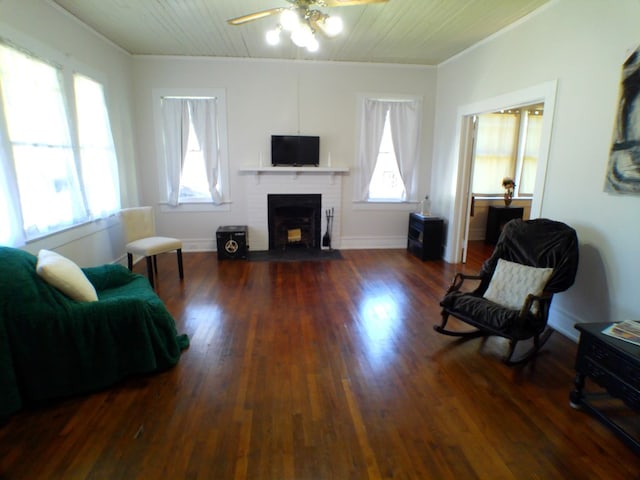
{"points": [[294, 220]]}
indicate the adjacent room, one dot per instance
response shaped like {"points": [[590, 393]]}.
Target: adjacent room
{"points": [[309, 193]]}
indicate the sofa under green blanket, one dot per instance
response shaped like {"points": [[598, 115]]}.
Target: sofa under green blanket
{"points": [[52, 346]]}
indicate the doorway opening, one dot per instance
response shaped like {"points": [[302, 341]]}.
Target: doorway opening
{"points": [[505, 151], [543, 95]]}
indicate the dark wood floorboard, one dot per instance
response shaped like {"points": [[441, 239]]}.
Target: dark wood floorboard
{"points": [[321, 370]]}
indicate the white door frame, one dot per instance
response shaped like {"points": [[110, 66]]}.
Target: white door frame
{"points": [[543, 93], [468, 146]]}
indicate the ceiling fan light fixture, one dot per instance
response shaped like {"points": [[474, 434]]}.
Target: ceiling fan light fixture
{"points": [[331, 26], [289, 20], [273, 36], [302, 35], [302, 21], [313, 45]]}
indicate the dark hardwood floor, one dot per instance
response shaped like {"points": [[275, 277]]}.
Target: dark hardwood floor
{"points": [[321, 370]]}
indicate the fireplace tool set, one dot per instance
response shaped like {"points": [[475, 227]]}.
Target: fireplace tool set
{"points": [[326, 239]]}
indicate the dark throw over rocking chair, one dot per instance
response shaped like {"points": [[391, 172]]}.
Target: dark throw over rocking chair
{"points": [[519, 296]]}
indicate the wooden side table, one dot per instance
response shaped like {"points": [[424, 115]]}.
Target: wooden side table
{"points": [[497, 218], [615, 366]]}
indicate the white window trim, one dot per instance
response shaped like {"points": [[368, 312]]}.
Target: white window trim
{"points": [[164, 207], [405, 206], [197, 206]]}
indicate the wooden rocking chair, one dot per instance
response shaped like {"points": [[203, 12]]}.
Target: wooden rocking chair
{"points": [[533, 260]]}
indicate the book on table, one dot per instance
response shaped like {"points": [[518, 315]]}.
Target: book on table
{"points": [[629, 331]]}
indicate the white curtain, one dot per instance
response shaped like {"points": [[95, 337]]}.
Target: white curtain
{"points": [[175, 118], [41, 152], [204, 121], [372, 119], [11, 224], [101, 184], [532, 140], [404, 120], [495, 152], [40, 187]]}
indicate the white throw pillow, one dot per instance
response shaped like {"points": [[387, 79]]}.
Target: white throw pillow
{"points": [[512, 282], [66, 276]]}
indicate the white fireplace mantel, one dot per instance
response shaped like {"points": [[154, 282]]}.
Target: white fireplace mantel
{"points": [[293, 171]]}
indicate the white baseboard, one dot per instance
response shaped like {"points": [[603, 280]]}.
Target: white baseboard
{"points": [[346, 243], [364, 243], [199, 245], [563, 322]]}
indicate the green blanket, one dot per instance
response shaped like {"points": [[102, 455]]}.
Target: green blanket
{"points": [[52, 346]]}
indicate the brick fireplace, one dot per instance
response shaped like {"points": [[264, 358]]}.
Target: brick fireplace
{"points": [[278, 181]]}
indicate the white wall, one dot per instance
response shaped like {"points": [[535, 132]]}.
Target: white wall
{"points": [[266, 97], [581, 44], [39, 26]]}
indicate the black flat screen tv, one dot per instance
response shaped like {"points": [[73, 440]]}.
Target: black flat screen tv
{"points": [[295, 150]]}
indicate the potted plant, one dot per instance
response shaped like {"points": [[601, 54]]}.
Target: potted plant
{"points": [[509, 185]]}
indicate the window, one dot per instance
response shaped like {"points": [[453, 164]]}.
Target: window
{"points": [[51, 183], [193, 180], [193, 143], [386, 182], [97, 151], [507, 145], [388, 150]]}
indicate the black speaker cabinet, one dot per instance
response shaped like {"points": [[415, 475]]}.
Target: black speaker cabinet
{"points": [[232, 242], [425, 236]]}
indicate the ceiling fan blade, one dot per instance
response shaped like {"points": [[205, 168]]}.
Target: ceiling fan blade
{"points": [[255, 16], [347, 3]]}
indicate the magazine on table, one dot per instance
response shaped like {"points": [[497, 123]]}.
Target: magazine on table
{"points": [[629, 331]]}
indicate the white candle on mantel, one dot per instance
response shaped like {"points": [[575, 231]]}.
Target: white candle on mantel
{"points": [[329, 160], [260, 159]]}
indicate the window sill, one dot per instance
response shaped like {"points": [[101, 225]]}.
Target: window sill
{"points": [[72, 232], [194, 207], [387, 206]]}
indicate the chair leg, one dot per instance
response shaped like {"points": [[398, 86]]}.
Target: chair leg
{"points": [[150, 270], [538, 341], [130, 261], [180, 270], [440, 328]]}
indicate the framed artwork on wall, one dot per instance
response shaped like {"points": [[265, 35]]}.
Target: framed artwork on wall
{"points": [[623, 170]]}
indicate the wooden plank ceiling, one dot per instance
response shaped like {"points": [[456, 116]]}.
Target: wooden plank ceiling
{"points": [[422, 32]]}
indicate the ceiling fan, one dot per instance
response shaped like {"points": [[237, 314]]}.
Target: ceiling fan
{"points": [[302, 20]]}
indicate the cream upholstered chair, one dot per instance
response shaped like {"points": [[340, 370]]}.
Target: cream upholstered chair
{"points": [[140, 235]]}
